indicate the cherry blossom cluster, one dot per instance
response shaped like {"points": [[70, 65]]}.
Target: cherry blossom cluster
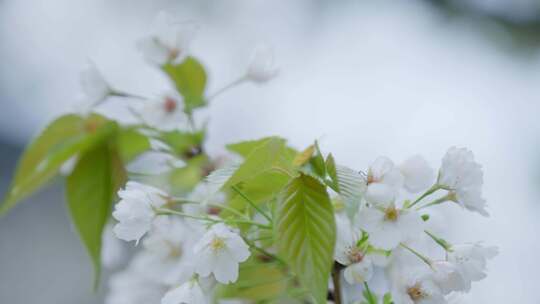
{"points": [[186, 248]]}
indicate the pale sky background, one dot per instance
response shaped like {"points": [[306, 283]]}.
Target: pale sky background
{"points": [[390, 78]]}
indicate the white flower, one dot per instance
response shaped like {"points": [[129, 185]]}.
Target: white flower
{"points": [[262, 67], [447, 276], [410, 290], [132, 287], [166, 113], [390, 226], [384, 181], [112, 249], [464, 178], [471, 260], [417, 173], [135, 211], [168, 254], [171, 41], [359, 272], [94, 86], [359, 267], [188, 293], [219, 252]]}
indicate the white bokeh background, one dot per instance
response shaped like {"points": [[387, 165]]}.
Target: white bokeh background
{"points": [[388, 78]]}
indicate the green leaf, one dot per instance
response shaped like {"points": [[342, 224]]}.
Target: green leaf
{"points": [[261, 189], [387, 299], [89, 191], [64, 138], [189, 77], [331, 171], [351, 186], [303, 157], [184, 144], [131, 143], [317, 162], [306, 233], [245, 148], [256, 282], [273, 155]]}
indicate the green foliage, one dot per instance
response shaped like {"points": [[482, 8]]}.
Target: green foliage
{"points": [[272, 155], [303, 157], [131, 143], [369, 297], [64, 138], [317, 162], [245, 148], [332, 172], [184, 144], [90, 190], [387, 299], [184, 179], [350, 185], [306, 233], [257, 281], [189, 77]]}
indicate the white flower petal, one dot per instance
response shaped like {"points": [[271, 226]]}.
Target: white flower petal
{"points": [[417, 173]]}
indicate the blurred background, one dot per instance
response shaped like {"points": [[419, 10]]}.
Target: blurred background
{"points": [[366, 78]]}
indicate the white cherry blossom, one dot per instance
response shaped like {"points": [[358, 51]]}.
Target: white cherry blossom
{"points": [[219, 252], [463, 177], [412, 290], [389, 226], [136, 210], [384, 181], [168, 251], [448, 277], [166, 113], [358, 265], [170, 42], [471, 260], [94, 86], [262, 67], [417, 173], [188, 293]]}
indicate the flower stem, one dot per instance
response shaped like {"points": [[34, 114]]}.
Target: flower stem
{"points": [[441, 242], [263, 251], [427, 193], [372, 298], [115, 93], [418, 254], [441, 200], [226, 87], [162, 211], [252, 203], [336, 279]]}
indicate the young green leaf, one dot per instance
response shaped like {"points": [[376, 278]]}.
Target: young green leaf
{"points": [[184, 144], [303, 157], [131, 143], [89, 191], [387, 299], [66, 137], [271, 156], [331, 171], [257, 282], [352, 186], [306, 233], [189, 77], [245, 148], [317, 162]]}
